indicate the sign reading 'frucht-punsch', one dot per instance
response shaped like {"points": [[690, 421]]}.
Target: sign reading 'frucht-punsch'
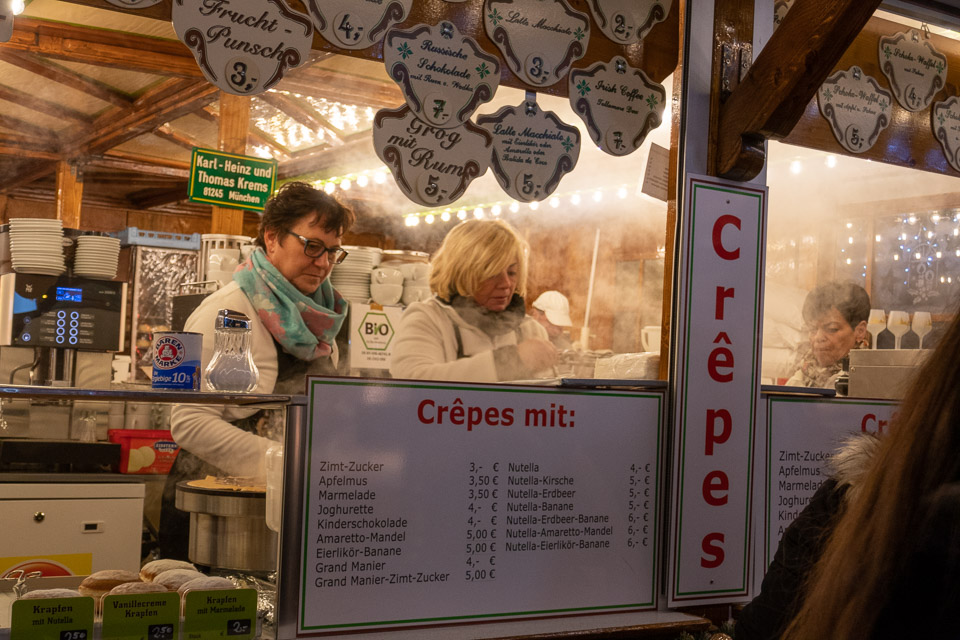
{"points": [[230, 180]]}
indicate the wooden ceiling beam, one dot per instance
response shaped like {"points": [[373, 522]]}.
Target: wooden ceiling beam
{"points": [[168, 133], [103, 48], [151, 198], [315, 160], [141, 164], [345, 89], [64, 76], [35, 131], [292, 108], [43, 106], [257, 136], [773, 95]]}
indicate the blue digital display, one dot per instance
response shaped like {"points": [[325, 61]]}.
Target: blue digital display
{"points": [[69, 294]]}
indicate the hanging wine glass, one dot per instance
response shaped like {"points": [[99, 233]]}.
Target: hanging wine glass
{"points": [[898, 323], [922, 325], [876, 323]]}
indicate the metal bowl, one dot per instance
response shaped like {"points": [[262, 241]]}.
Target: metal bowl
{"points": [[228, 529]]}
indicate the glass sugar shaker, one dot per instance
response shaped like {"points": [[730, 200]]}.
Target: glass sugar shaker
{"points": [[232, 367]]}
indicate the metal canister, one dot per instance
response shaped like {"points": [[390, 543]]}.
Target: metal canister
{"points": [[176, 360]]}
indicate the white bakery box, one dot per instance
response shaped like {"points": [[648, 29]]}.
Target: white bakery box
{"points": [[68, 529]]}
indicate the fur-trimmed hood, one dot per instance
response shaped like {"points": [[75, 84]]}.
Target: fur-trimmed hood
{"points": [[852, 460]]}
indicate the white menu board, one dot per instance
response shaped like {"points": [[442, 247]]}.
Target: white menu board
{"points": [[802, 435], [431, 502]]}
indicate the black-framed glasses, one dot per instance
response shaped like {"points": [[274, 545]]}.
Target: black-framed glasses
{"points": [[315, 248]]}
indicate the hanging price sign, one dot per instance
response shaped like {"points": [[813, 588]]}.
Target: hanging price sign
{"points": [[856, 107], [133, 4], [915, 69], [444, 76], [619, 104], [946, 128], [243, 46], [532, 150], [628, 21], [431, 165], [356, 24], [539, 39]]}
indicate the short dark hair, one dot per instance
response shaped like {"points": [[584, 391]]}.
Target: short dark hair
{"points": [[294, 200], [850, 299]]}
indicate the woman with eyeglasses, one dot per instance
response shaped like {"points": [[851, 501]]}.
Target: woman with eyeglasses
{"points": [[284, 288], [835, 318], [476, 328]]}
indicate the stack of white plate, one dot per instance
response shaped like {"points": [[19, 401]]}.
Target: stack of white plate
{"points": [[36, 246], [97, 257], [352, 276]]}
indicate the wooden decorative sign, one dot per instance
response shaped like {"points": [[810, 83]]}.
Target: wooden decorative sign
{"points": [[243, 46], [619, 104], [431, 165], [133, 4], [780, 9], [628, 21], [444, 76], [945, 118], [356, 24], [532, 150], [856, 107], [915, 69], [539, 39]]}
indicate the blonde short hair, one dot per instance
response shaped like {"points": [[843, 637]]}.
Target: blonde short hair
{"points": [[474, 251]]}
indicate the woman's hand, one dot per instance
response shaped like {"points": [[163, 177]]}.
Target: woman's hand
{"points": [[537, 354]]}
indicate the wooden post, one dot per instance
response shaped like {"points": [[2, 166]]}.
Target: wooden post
{"points": [[234, 125], [69, 193]]}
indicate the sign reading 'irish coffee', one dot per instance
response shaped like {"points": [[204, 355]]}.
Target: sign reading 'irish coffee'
{"points": [[356, 24], [619, 104], [444, 76], [539, 39], [243, 46], [532, 150], [431, 165]]}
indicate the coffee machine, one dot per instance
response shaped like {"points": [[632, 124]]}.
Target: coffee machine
{"points": [[56, 331]]}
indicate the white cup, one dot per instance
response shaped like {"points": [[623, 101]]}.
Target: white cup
{"points": [[386, 293], [415, 294], [650, 338], [386, 275]]}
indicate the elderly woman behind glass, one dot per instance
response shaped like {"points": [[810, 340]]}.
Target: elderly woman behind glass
{"points": [[475, 328], [835, 318]]}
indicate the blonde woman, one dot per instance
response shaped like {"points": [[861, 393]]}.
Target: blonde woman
{"points": [[475, 329]]}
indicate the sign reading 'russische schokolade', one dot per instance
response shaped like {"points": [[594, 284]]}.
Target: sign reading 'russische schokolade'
{"points": [[231, 180]]}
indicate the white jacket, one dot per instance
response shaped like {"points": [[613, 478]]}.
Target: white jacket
{"points": [[425, 347], [205, 430]]}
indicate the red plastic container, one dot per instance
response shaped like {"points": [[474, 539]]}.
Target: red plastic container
{"points": [[145, 451]]}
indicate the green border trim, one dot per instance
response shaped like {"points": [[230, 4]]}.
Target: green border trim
{"points": [[222, 203]]}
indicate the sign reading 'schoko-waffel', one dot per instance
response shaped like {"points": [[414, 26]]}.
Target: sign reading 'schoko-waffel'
{"points": [[230, 180]]}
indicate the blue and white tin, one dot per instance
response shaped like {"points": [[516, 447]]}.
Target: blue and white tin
{"points": [[176, 360]]}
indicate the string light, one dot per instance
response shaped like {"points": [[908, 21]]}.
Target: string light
{"points": [[445, 216], [478, 213], [345, 184], [380, 177], [495, 210], [329, 188], [514, 207], [575, 198], [362, 180], [554, 202], [429, 219], [534, 205], [462, 214]]}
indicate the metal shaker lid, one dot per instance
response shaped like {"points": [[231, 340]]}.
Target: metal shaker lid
{"points": [[229, 319]]}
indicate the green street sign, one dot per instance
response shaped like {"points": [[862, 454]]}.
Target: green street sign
{"points": [[230, 180]]}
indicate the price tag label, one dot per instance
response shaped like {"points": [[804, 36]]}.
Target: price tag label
{"points": [[149, 616], [53, 619], [220, 614]]}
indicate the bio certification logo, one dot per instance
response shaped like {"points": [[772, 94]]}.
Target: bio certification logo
{"points": [[376, 332]]}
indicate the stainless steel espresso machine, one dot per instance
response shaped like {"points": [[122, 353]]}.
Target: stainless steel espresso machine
{"points": [[56, 331]]}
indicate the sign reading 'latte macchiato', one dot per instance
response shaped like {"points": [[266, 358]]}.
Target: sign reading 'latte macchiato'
{"points": [[243, 46]]}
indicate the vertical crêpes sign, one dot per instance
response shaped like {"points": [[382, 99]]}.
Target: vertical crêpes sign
{"points": [[628, 21], [532, 150], [243, 46], [915, 69], [133, 4], [945, 118], [431, 165], [539, 39], [444, 76], [356, 24], [619, 104], [856, 107]]}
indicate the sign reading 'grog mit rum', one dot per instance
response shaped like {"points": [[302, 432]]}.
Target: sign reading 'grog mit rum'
{"points": [[230, 180]]}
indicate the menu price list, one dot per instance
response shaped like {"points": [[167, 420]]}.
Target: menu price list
{"points": [[455, 524]]}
